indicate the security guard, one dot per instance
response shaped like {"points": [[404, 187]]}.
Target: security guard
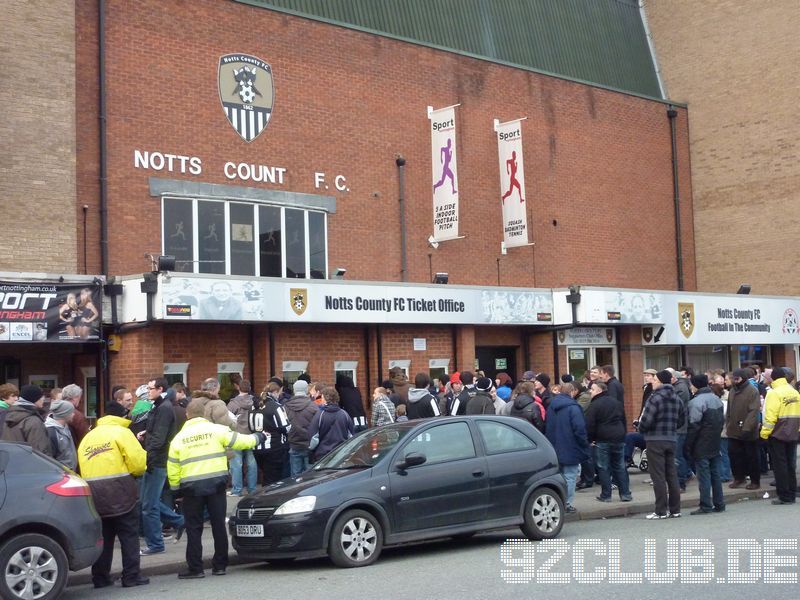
{"points": [[110, 457], [197, 466], [781, 428]]}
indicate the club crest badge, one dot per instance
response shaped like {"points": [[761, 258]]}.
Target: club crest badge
{"points": [[609, 335], [686, 318], [790, 321], [247, 93], [561, 336], [647, 334], [298, 298]]}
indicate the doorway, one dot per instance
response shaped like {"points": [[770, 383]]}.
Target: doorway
{"points": [[497, 359]]}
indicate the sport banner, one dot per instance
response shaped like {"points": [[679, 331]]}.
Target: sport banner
{"points": [[50, 312], [445, 173], [512, 183]]}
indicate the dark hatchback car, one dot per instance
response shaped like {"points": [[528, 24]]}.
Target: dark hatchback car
{"points": [[407, 482], [48, 524]]}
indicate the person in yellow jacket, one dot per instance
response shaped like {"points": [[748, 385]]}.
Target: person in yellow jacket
{"points": [[197, 469], [110, 457], [781, 428]]}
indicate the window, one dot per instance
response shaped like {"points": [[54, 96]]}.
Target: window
{"points": [[706, 358], [225, 376], [405, 365], [661, 357], [292, 369], [176, 372], [754, 355], [438, 367], [346, 368], [245, 239], [443, 443], [499, 438]]}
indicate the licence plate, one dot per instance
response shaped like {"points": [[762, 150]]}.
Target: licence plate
{"points": [[250, 531]]}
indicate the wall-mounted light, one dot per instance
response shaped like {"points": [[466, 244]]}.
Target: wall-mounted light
{"points": [[339, 273], [442, 278], [433, 243], [161, 264], [744, 289]]}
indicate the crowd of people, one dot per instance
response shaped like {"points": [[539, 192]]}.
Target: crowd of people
{"points": [[161, 459]]}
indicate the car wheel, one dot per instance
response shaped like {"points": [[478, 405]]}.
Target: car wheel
{"points": [[544, 515], [643, 466], [356, 539], [34, 566]]}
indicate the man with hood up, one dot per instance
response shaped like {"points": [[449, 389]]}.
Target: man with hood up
{"points": [[421, 404], [23, 422], [351, 402], [57, 424], [742, 427], [400, 384], [566, 430]]}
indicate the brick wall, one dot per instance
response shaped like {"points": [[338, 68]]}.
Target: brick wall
{"points": [[348, 102], [735, 64], [37, 129]]}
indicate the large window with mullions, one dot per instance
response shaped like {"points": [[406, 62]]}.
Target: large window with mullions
{"points": [[247, 239]]}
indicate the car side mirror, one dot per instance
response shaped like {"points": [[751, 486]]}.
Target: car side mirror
{"points": [[412, 459]]}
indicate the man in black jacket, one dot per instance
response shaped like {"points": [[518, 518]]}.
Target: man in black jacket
{"points": [[482, 402], [458, 397], [421, 404], [606, 427], [157, 435], [615, 389], [680, 383], [703, 441]]}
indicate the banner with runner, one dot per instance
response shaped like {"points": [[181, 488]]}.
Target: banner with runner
{"points": [[445, 173], [512, 183], [50, 312]]}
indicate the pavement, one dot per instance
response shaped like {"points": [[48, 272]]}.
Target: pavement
{"points": [[173, 559]]}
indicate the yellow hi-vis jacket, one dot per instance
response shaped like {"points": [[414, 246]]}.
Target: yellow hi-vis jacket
{"points": [[110, 457], [197, 463], [781, 412]]}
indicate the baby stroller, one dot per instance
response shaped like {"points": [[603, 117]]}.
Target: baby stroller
{"points": [[639, 459]]}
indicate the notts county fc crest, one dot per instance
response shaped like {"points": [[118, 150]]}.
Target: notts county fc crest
{"points": [[247, 93], [299, 300], [686, 318]]}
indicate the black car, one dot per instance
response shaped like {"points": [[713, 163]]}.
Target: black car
{"points": [[48, 524], [407, 482]]}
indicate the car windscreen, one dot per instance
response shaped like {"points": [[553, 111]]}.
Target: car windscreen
{"points": [[364, 450]]}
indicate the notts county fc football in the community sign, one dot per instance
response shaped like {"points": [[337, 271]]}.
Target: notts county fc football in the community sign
{"points": [[247, 93]]}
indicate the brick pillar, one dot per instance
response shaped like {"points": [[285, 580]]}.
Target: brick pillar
{"points": [[783, 356], [260, 370], [465, 341], [631, 367], [541, 355], [140, 358]]}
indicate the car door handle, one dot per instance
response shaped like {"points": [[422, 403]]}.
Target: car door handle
{"points": [[477, 473]]}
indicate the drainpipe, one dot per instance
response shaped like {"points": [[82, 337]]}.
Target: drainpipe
{"points": [[366, 350], [379, 340], [672, 114], [251, 355], [454, 337], [103, 135], [556, 366], [401, 178]]}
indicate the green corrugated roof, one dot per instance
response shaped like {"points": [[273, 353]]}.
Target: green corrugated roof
{"points": [[598, 41]]}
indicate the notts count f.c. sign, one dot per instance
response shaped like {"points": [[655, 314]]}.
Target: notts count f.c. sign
{"points": [[247, 93]]}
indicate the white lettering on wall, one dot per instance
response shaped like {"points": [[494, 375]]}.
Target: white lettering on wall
{"points": [[172, 163]]}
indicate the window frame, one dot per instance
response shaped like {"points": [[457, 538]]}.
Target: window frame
{"points": [[404, 450], [255, 205], [481, 424]]}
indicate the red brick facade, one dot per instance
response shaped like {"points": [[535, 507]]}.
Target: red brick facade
{"points": [[598, 174]]}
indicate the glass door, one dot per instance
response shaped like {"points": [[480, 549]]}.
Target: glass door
{"points": [[578, 361]]}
